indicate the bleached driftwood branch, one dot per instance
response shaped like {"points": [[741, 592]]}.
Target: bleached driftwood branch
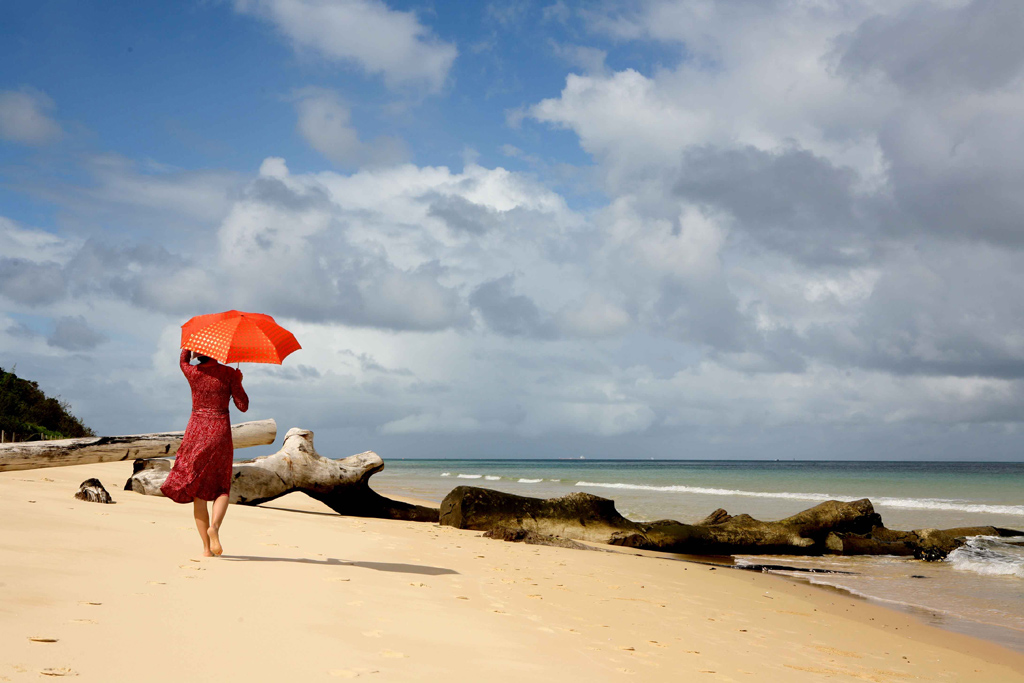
{"points": [[342, 485], [96, 449]]}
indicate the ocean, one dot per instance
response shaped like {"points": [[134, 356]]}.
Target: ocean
{"points": [[978, 589]]}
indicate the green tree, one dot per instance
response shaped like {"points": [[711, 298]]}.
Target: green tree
{"points": [[28, 412]]}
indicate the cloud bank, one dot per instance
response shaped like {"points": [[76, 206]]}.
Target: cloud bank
{"points": [[807, 243]]}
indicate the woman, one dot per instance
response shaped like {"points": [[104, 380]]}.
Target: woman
{"points": [[202, 469]]}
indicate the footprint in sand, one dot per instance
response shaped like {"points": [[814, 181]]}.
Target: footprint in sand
{"points": [[40, 639], [84, 621], [191, 567], [392, 654], [834, 651], [419, 585], [58, 671], [157, 583], [83, 602], [351, 673], [373, 634], [336, 578], [535, 597]]}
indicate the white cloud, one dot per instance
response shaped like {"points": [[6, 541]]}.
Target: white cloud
{"points": [[589, 59], [324, 120], [33, 244], [444, 422], [365, 32], [24, 117], [143, 199], [595, 316]]}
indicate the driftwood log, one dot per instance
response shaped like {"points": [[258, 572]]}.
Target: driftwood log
{"points": [[97, 449], [342, 485], [832, 527], [92, 491], [579, 516]]}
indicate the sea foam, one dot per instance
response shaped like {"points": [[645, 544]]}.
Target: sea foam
{"points": [[906, 503], [990, 555]]}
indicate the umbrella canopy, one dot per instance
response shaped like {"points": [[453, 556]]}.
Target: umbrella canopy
{"points": [[238, 337]]}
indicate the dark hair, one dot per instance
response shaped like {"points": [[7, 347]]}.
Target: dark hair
{"points": [[203, 359]]}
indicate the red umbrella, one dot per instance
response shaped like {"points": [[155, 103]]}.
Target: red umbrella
{"points": [[238, 337]]}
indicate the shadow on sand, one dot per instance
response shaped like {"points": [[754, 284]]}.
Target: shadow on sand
{"points": [[332, 562]]}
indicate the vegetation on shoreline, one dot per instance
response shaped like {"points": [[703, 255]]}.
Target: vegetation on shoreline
{"points": [[28, 412]]}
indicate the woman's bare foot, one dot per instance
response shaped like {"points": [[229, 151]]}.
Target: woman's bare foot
{"points": [[207, 552], [215, 541]]}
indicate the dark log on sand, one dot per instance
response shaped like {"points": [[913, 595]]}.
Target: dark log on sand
{"points": [[92, 491], [832, 527], [342, 485], [803, 533], [97, 449], [923, 544], [579, 516]]}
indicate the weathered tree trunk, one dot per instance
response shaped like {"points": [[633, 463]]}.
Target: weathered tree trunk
{"points": [[924, 544], [833, 527], [342, 485], [803, 533], [92, 491], [579, 516], [97, 449]]}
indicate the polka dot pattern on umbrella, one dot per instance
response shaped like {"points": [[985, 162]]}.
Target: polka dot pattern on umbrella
{"points": [[238, 337]]}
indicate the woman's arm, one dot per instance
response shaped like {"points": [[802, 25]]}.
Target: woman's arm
{"points": [[238, 394], [183, 361]]}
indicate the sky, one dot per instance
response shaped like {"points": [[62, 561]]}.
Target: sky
{"points": [[528, 229]]}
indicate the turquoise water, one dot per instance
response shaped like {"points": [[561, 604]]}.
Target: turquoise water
{"points": [[906, 494], [978, 590]]}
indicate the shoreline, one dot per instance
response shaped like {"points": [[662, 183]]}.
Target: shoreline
{"points": [[343, 597], [947, 620]]}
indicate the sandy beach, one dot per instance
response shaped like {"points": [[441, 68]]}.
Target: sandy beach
{"points": [[121, 593]]}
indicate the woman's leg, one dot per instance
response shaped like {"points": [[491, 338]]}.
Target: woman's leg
{"points": [[220, 508], [202, 516]]}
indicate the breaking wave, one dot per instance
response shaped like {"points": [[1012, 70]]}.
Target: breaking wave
{"points": [[905, 503], [990, 555]]}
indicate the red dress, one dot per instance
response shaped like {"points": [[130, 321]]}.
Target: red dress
{"points": [[202, 468]]}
